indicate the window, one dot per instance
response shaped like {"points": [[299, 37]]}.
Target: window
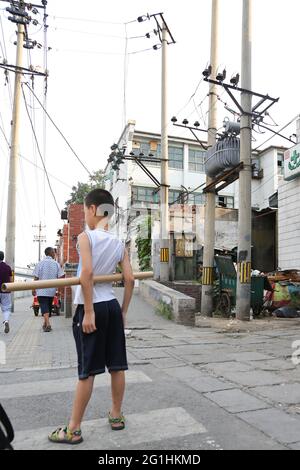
{"points": [[175, 157], [280, 163], [143, 194], [147, 148], [255, 165], [225, 201], [174, 196], [196, 160], [197, 198]]}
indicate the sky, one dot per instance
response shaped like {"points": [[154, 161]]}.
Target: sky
{"points": [[88, 69]]}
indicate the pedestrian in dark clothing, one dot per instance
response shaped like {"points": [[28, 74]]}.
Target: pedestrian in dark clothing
{"points": [[5, 298]]}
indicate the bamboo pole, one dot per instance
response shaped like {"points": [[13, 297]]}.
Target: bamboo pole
{"points": [[65, 282]]}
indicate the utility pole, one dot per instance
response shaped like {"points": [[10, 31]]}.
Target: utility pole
{"points": [[164, 190], [39, 238], [210, 207], [14, 158], [245, 213], [165, 37]]}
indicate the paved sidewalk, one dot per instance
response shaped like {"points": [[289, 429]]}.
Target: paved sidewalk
{"points": [[27, 346], [197, 388]]}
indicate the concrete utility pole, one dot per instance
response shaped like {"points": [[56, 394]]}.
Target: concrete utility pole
{"points": [[245, 213], [210, 207], [14, 157], [164, 191], [39, 238]]}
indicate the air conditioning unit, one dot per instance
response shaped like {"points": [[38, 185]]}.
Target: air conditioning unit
{"points": [[64, 214]]}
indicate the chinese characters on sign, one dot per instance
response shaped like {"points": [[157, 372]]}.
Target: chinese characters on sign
{"points": [[292, 163]]}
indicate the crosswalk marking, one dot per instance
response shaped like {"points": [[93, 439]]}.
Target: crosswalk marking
{"points": [[44, 387], [151, 426]]}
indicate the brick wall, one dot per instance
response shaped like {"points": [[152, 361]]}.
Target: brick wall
{"points": [[65, 243], [68, 252], [192, 290], [76, 226]]}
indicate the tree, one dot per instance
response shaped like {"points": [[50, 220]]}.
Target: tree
{"points": [[143, 243], [96, 180]]}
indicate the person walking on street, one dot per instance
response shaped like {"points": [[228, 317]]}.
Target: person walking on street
{"points": [[48, 268], [5, 298]]}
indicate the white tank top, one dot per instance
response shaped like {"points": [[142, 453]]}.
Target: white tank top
{"points": [[107, 252]]}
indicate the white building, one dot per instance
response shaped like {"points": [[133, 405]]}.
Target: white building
{"points": [[135, 192], [289, 209]]}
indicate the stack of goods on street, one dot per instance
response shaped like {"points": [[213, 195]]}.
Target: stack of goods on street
{"points": [[284, 300]]}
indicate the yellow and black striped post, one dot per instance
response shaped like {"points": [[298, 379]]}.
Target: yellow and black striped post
{"points": [[244, 270], [164, 255], [207, 276]]}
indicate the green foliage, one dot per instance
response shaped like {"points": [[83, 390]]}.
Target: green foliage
{"points": [[96, 180], [164, 310], [143, 244]]}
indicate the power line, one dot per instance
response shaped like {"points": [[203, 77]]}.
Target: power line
{"points": [[4, 174], [3, 132], [45, 98], [57, 128], [191, 97], [38, 148], [4, 52], [89, 33], [125, 77], [87, 51], [42, 169], [85, 20], [23, 179], [3, 37], [33, 117], [272, 136]]}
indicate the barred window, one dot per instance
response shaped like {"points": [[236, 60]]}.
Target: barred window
{"points": [[225, 201], [197, 160], [144, 194], [148, 148], [175, 157], [197, 198], [175, 153], [174, 196], [280, 163]]}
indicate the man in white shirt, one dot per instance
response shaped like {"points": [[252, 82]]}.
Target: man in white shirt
{"points": [[48, 268]]}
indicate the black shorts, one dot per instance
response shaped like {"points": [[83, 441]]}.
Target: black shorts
{"points": [[45, 304], [106, 347]]}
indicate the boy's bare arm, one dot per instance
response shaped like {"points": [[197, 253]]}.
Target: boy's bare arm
{"points": [[86, 281], [128, 283]]}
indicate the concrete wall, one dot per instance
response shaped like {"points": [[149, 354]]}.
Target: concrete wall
{"points": [[289, 224], [189, 288], [183, 307]]}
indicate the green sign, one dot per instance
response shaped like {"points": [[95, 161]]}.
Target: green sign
{"points": [[292, 163]]}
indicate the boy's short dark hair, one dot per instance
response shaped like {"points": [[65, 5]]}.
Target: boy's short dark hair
{"points": [[1, 256], [100, 197], [48, 251]]}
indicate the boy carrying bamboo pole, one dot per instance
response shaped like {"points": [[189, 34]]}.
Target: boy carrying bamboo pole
{"points": [[99, 321]]}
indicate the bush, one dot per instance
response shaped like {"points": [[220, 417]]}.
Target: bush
{"points": [[164, 310]]}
